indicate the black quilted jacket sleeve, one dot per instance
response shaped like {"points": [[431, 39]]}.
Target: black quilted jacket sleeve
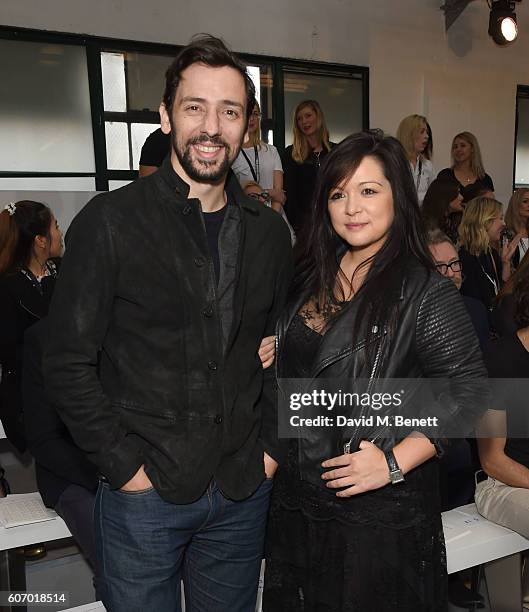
{"points": [[448, 349]]}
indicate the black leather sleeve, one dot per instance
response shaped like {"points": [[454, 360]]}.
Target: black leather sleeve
{"points": [[448, 349]]}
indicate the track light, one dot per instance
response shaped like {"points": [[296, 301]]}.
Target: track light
{"points": [[503, 27]]}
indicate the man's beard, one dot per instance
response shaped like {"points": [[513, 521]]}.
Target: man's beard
{"points": [[200, 170]]}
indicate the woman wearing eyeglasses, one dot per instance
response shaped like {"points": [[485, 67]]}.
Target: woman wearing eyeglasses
{"points": [[260, 163]]}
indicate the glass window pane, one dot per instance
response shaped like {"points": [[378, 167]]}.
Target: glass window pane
{"points": [[340, 99], [113, 73], [64, 204], [262, 78], [47, 183], [117, 184], [255, 75], [522, 143], [146, 80], [117, 138], [139, 132], [45, 119]]}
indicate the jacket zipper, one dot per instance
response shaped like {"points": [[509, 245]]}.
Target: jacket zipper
{"points": [[29, 311]]}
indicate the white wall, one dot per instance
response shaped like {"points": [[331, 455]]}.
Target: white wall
{"points": [[461, 81]]}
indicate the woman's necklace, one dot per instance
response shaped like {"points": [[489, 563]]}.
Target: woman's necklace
{"points": [[317, 154], [466, 178]]}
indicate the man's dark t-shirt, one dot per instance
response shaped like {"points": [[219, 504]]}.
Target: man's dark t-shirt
{"points": [[213, 222], [155, 149]]}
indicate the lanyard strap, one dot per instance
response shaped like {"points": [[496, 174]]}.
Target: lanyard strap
{"points": [[495, 281], [255, 171], [419, 175]]}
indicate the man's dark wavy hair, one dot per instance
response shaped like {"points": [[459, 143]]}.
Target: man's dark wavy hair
{"points": [[320, 249], [211, 51]]}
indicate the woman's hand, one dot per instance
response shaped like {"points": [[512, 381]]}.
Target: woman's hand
{"points": [[509, 248], [365, 470], [267, 351], [507, 251]]}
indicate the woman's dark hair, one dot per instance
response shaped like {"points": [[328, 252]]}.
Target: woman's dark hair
{"points": [[20, 223], [321, 249], [436, 203], [428, 151], [520, 293], [211, 51]]}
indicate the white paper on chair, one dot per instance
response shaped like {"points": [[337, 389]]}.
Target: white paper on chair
{"points": [[24, 509]]}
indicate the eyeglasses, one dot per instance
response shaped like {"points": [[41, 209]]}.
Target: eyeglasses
{"points": [[256, 114], [264, 195], [455, 266]]}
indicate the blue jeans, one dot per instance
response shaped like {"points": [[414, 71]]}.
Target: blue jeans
{"points": [[146, 546]]}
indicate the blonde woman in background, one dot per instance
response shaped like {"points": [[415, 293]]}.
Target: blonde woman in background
{"points": [[517, 220], [302, 160], [260, 162], [484, 268], [414, 136], [467, 167]]}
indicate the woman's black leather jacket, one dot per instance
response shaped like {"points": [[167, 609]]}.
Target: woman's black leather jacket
{"points": [[432, 338]]}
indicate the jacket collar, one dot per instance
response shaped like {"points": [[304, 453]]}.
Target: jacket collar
{"points": [[28, 297], [232, 187]]}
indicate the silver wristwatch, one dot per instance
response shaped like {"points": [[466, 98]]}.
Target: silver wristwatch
{"points": [[395, 473]]}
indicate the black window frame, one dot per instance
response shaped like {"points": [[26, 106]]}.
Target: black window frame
{"points": [[95, 45], [522, 91]]}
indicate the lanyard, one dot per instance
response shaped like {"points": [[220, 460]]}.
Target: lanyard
{"points": [[495, 281], [419, 175], [255, 171]]}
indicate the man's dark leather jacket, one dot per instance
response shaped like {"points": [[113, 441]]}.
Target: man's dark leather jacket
{"points": [[137, 364], [432, 337]]}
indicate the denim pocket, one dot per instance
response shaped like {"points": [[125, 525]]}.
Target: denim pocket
{"points": [[135, 493]]}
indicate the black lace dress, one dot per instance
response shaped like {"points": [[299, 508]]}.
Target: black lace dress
{"points": [[380, 550]]}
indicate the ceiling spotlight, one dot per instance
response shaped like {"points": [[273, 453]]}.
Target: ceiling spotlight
{"points": [[503, 27]]}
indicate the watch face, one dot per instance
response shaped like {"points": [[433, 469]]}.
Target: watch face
{"points": [[396, 477]]}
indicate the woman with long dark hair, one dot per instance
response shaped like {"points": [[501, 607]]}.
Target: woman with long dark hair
{"points": [[442, 207], [517, 222], [30, 239], [355, 517]]}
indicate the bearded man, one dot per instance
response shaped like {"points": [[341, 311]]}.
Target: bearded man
{"points": [[167, 287]]}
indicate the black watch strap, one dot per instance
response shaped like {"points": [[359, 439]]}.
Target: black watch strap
{"points": [[395, 473]]}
